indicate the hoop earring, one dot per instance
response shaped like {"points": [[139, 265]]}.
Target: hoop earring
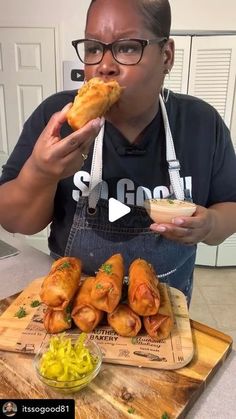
{"points": [[166, 97]]}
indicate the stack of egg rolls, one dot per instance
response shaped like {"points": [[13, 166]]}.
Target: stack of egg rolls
{"points": [[67, 298]]}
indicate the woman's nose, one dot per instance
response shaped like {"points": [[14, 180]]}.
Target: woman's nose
{"points": [[108, 66]]}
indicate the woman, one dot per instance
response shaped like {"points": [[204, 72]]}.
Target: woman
{"points": [[9, 409], [48, 180]]}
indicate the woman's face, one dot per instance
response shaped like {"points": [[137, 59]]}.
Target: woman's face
{"points": [[9, 407], [110, 20]]}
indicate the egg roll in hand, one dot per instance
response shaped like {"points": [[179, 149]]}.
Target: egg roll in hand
{"points": [[160, 325], [124, 321], [143, 292], [84, 314], [56, 321], [93, 100], [107, 287], [62, 282]]}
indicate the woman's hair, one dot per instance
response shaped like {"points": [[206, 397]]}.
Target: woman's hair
{"points": [[156, 14]]}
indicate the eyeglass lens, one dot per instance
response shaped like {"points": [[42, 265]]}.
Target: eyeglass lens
{"points": [[124, 51]]}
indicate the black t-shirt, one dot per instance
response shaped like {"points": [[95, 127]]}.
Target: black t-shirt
{"points": [[132, 173]]}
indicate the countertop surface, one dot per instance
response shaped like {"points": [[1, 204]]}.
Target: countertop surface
{"points": [[17, 271], [218, 400]]}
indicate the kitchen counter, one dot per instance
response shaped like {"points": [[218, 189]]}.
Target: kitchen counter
{"points": [[17, 271], [218, 399]]}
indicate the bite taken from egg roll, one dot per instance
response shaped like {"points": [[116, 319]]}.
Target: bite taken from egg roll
{"points": [[124, 321], [143, 292], [84, 314], [107, 287], [56, 321], [160, 325], [62, 282], [93, 100]]}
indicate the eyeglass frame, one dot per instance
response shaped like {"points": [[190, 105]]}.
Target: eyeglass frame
{"points": [[109, 47]]}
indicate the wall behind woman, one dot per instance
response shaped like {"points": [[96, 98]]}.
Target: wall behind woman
{"points": [[207, 15], [69, 17]]}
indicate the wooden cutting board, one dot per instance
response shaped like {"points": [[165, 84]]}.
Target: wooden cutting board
{"points": [[149, 392], [26, 334]]}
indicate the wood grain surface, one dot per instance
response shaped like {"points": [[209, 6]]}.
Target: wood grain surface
{"points": [[118, 388]]}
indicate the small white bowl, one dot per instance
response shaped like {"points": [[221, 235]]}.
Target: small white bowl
{"points": [[164, 210]]}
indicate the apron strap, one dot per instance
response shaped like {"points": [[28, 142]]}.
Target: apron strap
{"points": [[173, 163], [96, 171]]}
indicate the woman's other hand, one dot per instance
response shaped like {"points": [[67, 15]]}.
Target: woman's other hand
{"points": [[210, 225]]}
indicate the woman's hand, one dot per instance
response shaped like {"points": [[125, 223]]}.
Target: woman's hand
{"points": [[55, 158], [27, 202], [188, 230]]}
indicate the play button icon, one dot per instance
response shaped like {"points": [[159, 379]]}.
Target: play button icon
{"points": [[116, 210]]}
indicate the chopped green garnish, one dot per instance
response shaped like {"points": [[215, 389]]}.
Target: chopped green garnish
{"points": [[131, 410], [106, 267], [35, 303], [99, 286], [170, 201], [68, 318], [64, 265], [165, 416], [134, 340], [20, 313], [68, 313], [69, 308]]}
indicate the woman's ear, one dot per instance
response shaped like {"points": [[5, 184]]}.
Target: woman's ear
{"points": [[168, 54]]}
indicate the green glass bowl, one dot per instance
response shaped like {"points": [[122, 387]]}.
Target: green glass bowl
{"points": [[70, 386]]}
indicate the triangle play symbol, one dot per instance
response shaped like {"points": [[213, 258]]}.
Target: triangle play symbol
{"points": [[116, 209]]}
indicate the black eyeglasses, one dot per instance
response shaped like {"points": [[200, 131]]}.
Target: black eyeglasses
{"points": [[124, 51]]}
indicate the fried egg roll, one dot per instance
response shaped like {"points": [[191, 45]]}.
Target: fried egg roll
{"points": [[56, 321], [62, 282], [93, 100], [107, 287], [84, 314], [124, 321], [160, 325], [143, 292]]}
